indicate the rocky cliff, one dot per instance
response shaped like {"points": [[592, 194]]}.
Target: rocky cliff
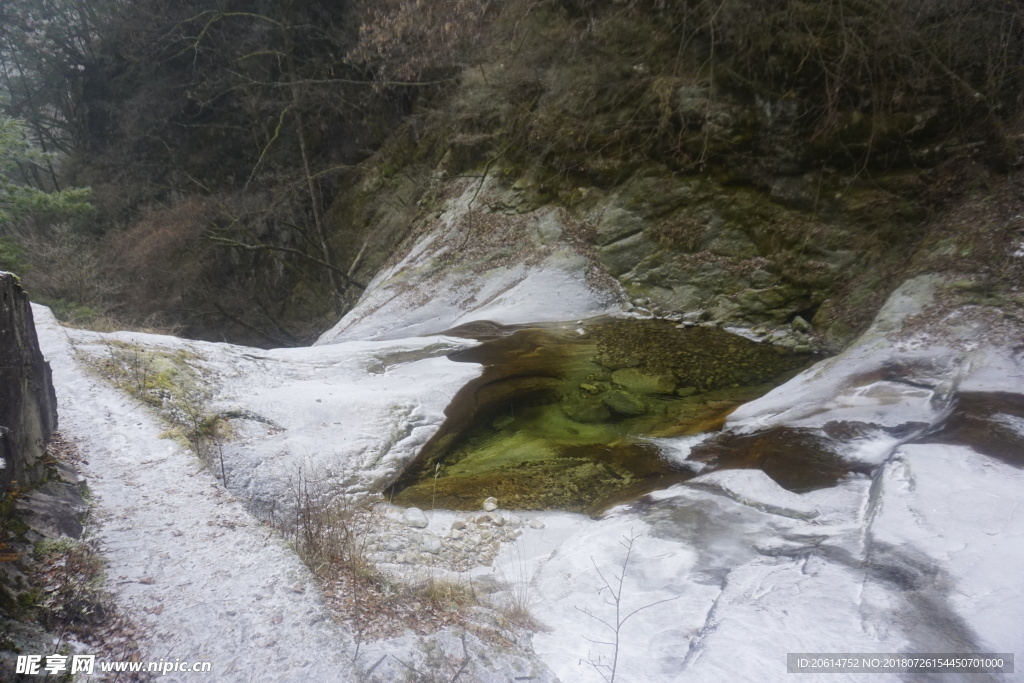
{"points": [[679, 179], [28, 404]]}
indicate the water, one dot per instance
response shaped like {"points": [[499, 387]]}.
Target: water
{"points": [[562, 416]]}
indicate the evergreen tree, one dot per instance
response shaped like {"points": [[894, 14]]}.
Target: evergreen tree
{"points": [[20, 199]]}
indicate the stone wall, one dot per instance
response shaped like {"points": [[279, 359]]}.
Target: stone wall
{"points": [[28, 404]]}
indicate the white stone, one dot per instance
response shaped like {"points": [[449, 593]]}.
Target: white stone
{"points": [[491, 504], [414, 517], [431, 544], [536, 524]]}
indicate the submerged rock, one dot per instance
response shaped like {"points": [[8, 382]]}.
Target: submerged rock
{"points": [[584, 396], [624, 403], [640, 382], [589, 410]]}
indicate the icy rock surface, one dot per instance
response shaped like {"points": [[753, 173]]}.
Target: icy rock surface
{"points": [[514, 273], [343, 417], [201, 579], [917, 550], [731, 572]]}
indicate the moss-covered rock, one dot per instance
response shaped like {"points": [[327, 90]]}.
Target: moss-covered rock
{"points": [[624, 403], [639, 382]]}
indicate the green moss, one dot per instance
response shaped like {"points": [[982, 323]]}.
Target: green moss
{"points": [[550, 424]]}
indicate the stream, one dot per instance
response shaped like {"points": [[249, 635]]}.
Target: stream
{"points": [[568, 416]]}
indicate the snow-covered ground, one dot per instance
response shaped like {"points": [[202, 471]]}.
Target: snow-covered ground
{"points": [[202, 580], [729, 572]]}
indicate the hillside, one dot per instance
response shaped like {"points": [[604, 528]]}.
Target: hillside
{"points": [[253, 168]]}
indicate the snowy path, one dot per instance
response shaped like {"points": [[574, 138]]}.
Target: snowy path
{"points": [[201, 578]]}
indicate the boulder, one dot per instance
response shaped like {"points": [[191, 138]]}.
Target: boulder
{"points": [[28, 404], [624, 403]]}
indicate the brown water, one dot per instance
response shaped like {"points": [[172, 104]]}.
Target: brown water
{"points": [[982, 421], [561, 415]]}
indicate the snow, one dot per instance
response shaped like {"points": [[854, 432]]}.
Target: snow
{"points": [[351, 416], [962, 514], [436, 286], [203, 580], [729, 572]]}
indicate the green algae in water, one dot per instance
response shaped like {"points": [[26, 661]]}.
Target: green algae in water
{"points": [[562, 414]]}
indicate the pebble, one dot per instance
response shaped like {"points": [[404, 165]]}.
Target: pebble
{"points": [[458, 524], [491, 504], [536, 524]]}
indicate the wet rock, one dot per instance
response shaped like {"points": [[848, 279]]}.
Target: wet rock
{"points": [[54, 510], [639, 382], [623, 403], [616, 224], [549, 228], [800, 325], [28, 404], [458, 525], [503, 421], [623, 255], [587, 410]]}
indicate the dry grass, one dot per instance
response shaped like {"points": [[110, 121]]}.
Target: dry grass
{"points": [[331, 531]]}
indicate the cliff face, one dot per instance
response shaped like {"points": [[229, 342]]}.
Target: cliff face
{"points": [[28, 404]]}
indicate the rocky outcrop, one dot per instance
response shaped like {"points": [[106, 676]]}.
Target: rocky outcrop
{"points": [[28, 404]]}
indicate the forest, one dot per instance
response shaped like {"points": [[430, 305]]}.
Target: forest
{"points": [[239, 170]]}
